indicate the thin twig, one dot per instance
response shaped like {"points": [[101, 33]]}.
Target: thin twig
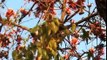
{"points": [[27, 13], [87, 18], [73, 14], [5, 22], [39, 19]]}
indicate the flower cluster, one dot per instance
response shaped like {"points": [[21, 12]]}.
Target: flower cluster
{"points": [[97, 30], [10, 13], [4, 54], [4, 41]]}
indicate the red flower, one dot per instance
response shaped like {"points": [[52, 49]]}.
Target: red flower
{"points": [[72, 5], [68, 11], [74, 41], [23, 11], [19, 38], [101, 51], [66, 56], [9, 13], [80, 2], [92, 50]]}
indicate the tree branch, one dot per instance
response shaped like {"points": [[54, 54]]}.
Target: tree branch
{"points": [[27, 13], [73, 14], [4, 22], [87, 18], [69, 17]]}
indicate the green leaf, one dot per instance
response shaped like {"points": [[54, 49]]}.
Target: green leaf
{"points": [[49, 32], [54, 53], [53, 46], [56, 21], [67, 31], [53, 27], [16, 55], [90, 55], [29, 55], [61, 58], [39, 51], [45, 55], [85, 35], [32, 30], [32, 47], [42, 52], [46, 31], [73, 27], [53, 43], [39, 44]]}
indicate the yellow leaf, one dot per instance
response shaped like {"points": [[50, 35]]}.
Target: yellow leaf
{"points": [[53, 27], [54, 52], [73, 27], [56, 21], [53, 43]]}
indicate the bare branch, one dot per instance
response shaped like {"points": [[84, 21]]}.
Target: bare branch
{"points": [[87, 18], [5, 22], [27, 13]]}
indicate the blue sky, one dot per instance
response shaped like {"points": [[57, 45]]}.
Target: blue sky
{"points": [[17, 4]]}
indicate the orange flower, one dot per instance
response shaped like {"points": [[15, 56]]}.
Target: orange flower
{"points": [[92, 50], [65, 1], [80, 2], [9, 13], [66, 56], [23, 11], [72, 4], [68, 11], [74, 41]]}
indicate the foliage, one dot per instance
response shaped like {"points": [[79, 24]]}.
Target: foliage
{"points": [[55, 38]]}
